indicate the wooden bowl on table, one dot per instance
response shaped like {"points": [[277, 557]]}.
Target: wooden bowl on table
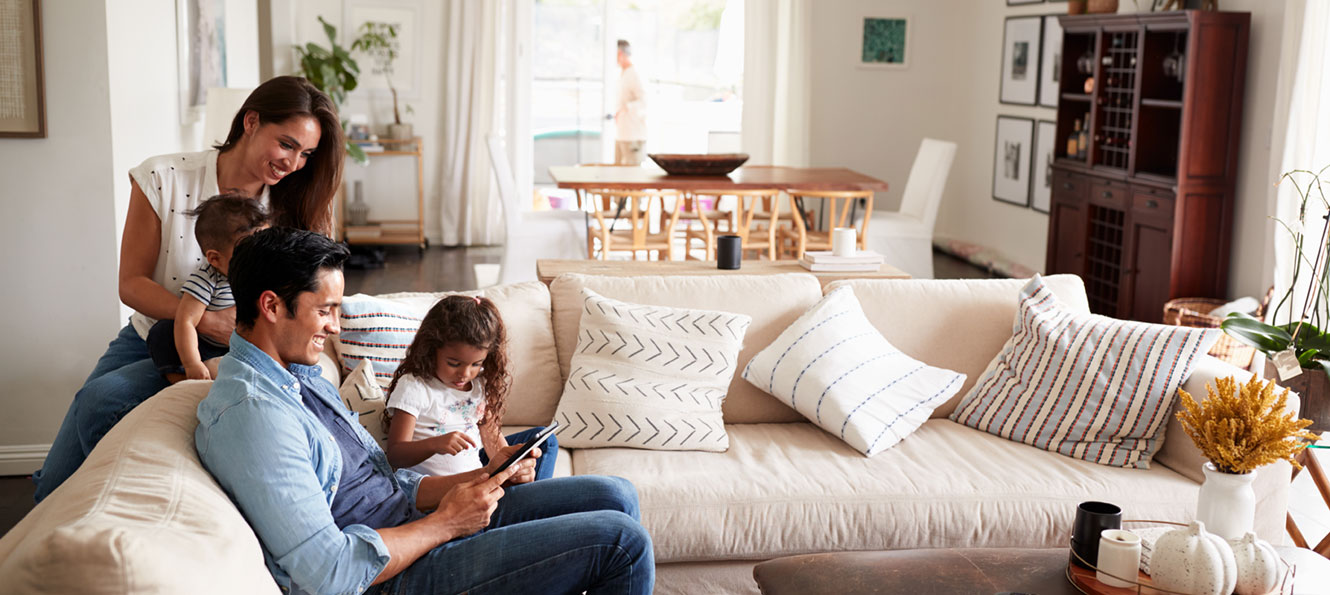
{"points": [[710, 164]]}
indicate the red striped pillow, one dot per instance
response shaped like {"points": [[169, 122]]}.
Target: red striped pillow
{"points": [[1083, 385]]}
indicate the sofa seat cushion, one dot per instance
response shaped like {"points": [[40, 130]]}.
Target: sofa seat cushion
{"points": [[141, 515], [785, 489]]}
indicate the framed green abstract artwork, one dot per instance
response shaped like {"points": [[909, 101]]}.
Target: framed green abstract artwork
{"points": [[885, 42]]}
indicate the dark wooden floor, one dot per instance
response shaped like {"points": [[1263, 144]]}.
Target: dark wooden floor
{"points": [[407, 269]]}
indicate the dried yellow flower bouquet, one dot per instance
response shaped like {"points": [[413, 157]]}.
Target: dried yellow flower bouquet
{"points": [[1240, 428]]}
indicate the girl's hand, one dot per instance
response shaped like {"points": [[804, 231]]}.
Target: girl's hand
{"points": [[523, 471], [452, 443]]}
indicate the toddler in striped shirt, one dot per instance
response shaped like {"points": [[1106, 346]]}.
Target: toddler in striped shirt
{"points": [[176, 346]]}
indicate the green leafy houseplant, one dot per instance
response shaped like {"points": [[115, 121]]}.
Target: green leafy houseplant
{"points": [[335, 72], [380, 41], [1311, 343]]}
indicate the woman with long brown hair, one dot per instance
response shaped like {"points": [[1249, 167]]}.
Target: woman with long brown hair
{"points": [[285, 148]]}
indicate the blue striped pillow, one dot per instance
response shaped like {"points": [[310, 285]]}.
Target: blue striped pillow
{"points": [[1083, 385], [377, 331], [834, 368]]}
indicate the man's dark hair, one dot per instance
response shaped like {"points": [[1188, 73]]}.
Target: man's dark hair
{"points": [[283, 260], [625, 47], [225, 217]]}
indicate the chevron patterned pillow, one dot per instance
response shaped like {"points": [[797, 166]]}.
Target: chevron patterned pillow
{"points": [[838, 371], [649, 377]]}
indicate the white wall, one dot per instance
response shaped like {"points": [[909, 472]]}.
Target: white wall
{"points": [[57, 236], [389, 182], [872, 120]]}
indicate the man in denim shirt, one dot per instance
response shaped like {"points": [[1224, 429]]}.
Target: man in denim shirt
{"points": [[330, 513]]}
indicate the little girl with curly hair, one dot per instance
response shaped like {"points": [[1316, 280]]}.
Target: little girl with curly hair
{"points": [[446, 399]]}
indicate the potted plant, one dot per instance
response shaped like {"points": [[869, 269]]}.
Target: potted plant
{"points": [[1302, 334], [335, 72], [1239, 428], [379, 40]]}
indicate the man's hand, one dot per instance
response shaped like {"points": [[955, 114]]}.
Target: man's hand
{"points": [[452, 443], [197, 371], [218, 324], [467, 507]]}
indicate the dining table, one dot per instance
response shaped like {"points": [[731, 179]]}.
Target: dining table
{"points": [[748, 177]]}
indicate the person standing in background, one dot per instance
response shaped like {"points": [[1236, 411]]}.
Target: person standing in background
{"points": [[630, 120]]}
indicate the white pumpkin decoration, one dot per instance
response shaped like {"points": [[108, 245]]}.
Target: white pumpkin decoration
{"points": [[1193, 561], [1258, 565]]}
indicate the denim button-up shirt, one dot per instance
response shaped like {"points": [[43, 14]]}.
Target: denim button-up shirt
{"points": [[281, 467]]}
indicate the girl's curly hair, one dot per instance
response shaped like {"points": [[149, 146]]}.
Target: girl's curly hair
{"points": [[474, 321]]}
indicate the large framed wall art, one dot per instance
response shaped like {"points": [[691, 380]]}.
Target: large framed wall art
{"points": [[22, 88]]}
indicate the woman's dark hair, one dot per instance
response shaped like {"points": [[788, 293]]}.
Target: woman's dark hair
{"points": [[303, 199], [284, 260], [464, 319]]}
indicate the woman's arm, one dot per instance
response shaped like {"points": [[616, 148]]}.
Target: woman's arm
{"points": [[404, 452], [140, 246]]}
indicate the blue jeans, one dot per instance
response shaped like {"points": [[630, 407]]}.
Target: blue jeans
{"points": [[549, 451], [563, 535], [124, 377]]}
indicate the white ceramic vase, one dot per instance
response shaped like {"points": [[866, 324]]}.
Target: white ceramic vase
{"points": [[1226, 504]]}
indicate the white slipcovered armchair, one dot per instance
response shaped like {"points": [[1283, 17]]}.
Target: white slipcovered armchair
{"points": [[905, 237]]}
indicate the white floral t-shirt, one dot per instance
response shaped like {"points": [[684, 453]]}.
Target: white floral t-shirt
{"points": [[440, 409]]}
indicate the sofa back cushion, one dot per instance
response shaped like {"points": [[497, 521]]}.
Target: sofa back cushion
{"points": [[141, 515], [956, 324], [525, 308], [773, 302]]}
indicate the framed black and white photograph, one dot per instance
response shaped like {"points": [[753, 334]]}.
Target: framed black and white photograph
{"points": [[201, 48], [1050, 66], [1011, 160], [22, 89], [1020, 61], [1042, 177], [885, 42]]}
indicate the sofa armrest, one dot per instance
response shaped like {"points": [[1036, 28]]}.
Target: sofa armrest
{"points": [[1181, 455]]}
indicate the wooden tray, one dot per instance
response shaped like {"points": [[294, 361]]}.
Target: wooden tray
{"points": [[1084, 580]]}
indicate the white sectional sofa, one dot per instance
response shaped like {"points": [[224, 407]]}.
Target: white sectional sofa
{"points": [[143, 516]]}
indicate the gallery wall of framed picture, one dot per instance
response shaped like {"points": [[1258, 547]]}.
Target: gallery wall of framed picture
{"points": [[1024, 146]]}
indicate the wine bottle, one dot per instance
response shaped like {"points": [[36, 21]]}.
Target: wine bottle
{"points": [[1073, 148]]}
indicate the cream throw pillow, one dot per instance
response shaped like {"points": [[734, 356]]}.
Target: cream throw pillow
{"points": [[361, 393], [649, 377], [835, 369]]}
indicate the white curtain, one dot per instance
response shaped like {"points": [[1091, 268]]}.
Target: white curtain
{"points": [[1305, 89], [471, 212], [777, 81]]}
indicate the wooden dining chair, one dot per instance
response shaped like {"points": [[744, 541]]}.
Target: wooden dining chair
{"points": [[840, 206], [752, 217], [632, 230]]}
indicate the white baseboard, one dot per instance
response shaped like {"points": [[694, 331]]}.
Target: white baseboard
{"points": [[22, 459]]}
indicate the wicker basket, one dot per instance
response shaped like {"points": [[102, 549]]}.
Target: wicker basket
{"points": [[1195, 313]]}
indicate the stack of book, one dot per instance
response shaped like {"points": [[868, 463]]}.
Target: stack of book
{"points": [[825, 261]]}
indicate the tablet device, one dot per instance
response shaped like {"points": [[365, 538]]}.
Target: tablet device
{"points": [[535, 441]]}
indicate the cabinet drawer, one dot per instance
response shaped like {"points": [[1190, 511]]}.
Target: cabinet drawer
{"points": [[1152, 203], [1069, 187], [1109, 194]]}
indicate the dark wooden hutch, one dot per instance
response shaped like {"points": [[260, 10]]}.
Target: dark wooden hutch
{"points": [[1145, 214]]}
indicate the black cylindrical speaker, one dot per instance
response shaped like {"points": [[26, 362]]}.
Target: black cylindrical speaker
{"points": [[728, 250]]}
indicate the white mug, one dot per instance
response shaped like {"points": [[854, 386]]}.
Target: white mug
{"points": [[843, 241], [1120, 556]]}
